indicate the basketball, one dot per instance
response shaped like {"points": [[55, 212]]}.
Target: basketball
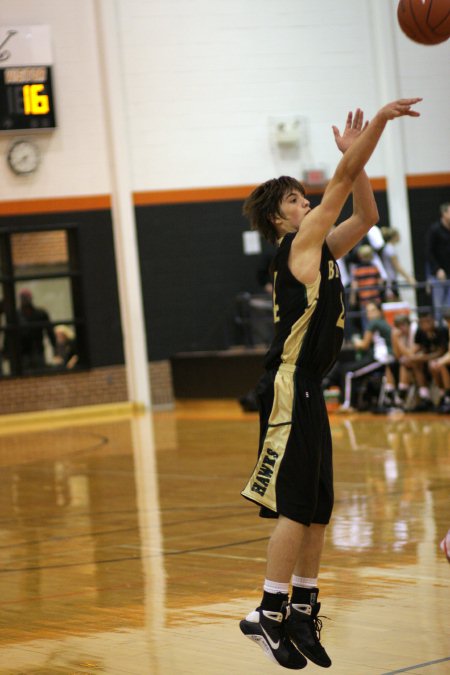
{"points": [[425, 21]]}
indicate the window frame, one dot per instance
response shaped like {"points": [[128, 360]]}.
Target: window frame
{"points": [[8, 282]]}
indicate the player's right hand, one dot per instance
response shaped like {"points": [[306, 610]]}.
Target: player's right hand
{"points": [[399, 108]]}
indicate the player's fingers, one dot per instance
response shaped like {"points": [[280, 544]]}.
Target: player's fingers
{"points": [[361, 118], [402, 109], [405, 109], [409, 101], [348, 123]]}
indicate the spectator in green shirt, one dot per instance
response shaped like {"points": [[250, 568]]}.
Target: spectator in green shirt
{"points": [[374, 353], [376, 341]]}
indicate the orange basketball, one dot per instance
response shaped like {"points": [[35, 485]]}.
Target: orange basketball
{"points": [[425, 21]]}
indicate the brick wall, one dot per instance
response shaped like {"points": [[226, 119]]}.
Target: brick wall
{"points": [[161, 383], [68, 390], [39, 248]]}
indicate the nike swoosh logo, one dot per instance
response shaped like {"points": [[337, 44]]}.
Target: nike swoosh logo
{"points": [[274, 645]]}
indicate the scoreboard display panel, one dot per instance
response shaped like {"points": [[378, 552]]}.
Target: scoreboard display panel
{"points": [[26, 88], [26, 98]]}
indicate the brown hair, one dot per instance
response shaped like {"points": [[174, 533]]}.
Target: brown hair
{"points": [[263, 205], [401, 320], [389, 233]]}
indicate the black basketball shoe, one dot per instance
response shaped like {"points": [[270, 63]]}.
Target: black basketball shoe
{"points": [[444, 406], [423, 405], [267, 629], [303, 627]]}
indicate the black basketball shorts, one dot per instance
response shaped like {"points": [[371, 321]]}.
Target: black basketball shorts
{"points": [[293, 476]]}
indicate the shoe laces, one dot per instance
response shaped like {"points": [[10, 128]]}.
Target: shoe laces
{"points": [[318, 624]]}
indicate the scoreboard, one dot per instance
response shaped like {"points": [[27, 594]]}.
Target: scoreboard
{"points": [[26, 88]]}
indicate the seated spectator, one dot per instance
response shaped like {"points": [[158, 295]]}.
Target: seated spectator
{"points": [[430, 343], [440, 370], [32, 322], [366, 282], [375, 354], [65, 350], [392, 264], [402, 337]]}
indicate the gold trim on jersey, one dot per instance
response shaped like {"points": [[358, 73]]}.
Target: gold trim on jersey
{"points": [[293, 343], [261, 488]]}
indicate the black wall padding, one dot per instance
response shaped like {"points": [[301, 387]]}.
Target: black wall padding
{"points": [[100, 298]]}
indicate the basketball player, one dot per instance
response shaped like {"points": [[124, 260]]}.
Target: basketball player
{"points": [[293, 479]]}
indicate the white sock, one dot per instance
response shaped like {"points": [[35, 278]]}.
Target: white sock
{"points": [[304, 582], [424, 392], [275, 587]]}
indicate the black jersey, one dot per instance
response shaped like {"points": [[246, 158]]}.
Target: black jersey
{"points": [[433, 341], [309, 318]]}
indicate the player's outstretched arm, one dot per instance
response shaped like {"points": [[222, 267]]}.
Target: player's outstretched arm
{"points": [[365, 211], [318, 222], [359, 153]]}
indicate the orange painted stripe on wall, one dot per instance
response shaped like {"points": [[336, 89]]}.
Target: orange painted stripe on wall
{"points": [[378, 184], [217, 194], [189, 195], [182, 196], [428, 180], [55, 205]]}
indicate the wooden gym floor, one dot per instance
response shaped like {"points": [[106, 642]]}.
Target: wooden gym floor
{"points": [[126, 548]]}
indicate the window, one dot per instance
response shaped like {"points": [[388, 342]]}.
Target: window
{"points": [[41, 317]]}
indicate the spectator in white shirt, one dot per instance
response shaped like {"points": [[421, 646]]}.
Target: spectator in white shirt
{"points": [[392, 263]]}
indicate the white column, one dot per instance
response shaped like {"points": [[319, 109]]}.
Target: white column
{"points": [[124, 225], [382, 17]]}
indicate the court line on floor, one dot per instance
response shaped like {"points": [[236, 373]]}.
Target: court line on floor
{"points": [[419, 665], [79, 535], [135, 557], [126, 512]]}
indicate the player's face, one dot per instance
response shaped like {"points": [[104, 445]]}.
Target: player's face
{"points": [[294, 207]]}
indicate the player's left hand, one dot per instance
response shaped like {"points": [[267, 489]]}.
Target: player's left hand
{"points": [[354, 126]]}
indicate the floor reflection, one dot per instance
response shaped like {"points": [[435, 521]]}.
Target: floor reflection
{"points": [[126, 548], [399, 469]]}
